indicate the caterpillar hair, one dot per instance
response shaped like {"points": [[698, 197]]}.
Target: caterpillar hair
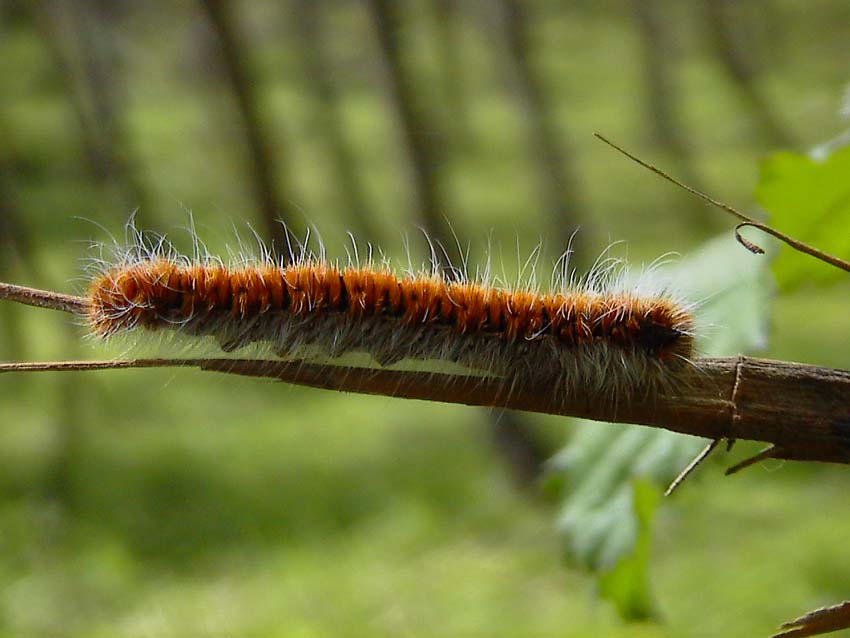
{"points": [[602, 335]]}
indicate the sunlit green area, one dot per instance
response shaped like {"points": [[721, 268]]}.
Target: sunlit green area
{"points": [[166, 502]]}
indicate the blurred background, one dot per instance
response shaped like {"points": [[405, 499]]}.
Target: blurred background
{"points": [[181, 503]]}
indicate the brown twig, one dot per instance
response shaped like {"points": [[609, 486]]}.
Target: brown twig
{"points": [[767, 453], [819, 621], [745, 221], [801, 410], [87, 366], [690, 467], [44, 299]]}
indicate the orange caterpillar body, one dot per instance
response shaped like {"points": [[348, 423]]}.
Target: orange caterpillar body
{"points": [[593, 341]]}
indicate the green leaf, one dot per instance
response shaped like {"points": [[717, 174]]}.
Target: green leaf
{"points": [[625, 582], [613, 475], [809, 199], [733, 289]]}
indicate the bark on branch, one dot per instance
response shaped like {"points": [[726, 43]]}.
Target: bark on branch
{"points": [[802, 410]]}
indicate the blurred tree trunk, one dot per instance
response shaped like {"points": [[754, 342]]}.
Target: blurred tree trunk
{"points": [[553, 158], [418, 134], [14, 248], [513, 437], [726, 29], [267, 169], [81, 39], [661, 104], [314, 51], [70, 435], [449, 32], [524, 451], [93, 141]]}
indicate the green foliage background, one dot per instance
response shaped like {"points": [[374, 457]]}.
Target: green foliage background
{"points": [[179, 503]]}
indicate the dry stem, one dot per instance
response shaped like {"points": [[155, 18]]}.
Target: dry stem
{"points": [[801, 410], [44, 298], [796, 244]]}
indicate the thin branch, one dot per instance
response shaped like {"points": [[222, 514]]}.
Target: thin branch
{"points": [[746, 221], [44, 299], [800, 409], [767, 453], [86, 366], [690, 467], [819, 621]]}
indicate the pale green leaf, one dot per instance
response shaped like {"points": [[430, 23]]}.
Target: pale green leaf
{"points": [[614, 474]]}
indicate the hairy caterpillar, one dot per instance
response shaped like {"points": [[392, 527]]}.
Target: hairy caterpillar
{"points": [[596, 336]]}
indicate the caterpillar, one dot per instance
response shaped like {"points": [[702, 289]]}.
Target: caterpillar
{"points": [[596, 336]]}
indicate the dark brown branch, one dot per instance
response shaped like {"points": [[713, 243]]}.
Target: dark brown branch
{"points": [[766, 453], [746, 221], [804, 411]]}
